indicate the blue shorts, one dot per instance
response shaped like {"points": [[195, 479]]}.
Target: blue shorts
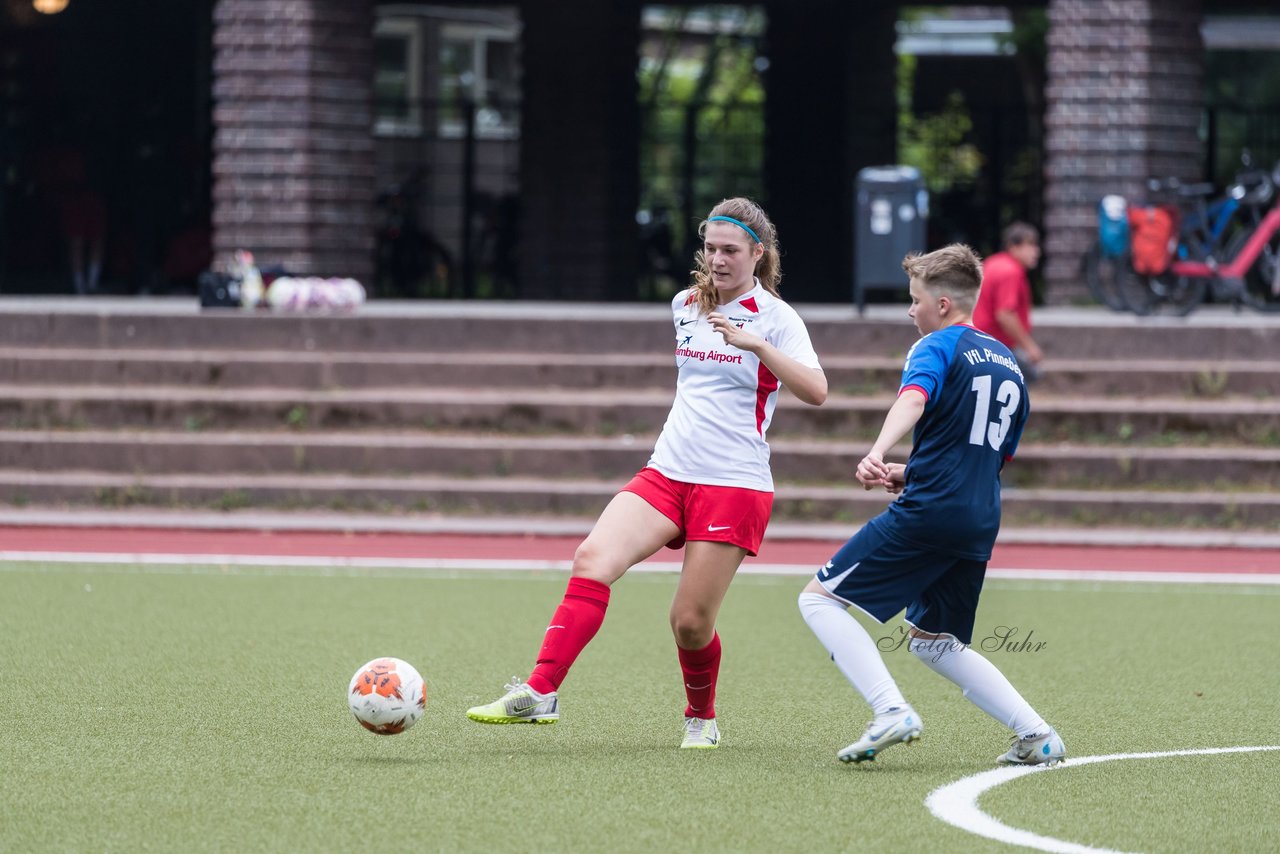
{"points": [[881, 576]]}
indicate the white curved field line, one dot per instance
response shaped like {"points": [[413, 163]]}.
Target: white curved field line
{"points": [[957, 803]]}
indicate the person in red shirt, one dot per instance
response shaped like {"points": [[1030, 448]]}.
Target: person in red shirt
{"points": [[1004, 303]]}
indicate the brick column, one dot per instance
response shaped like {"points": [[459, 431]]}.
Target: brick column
{"points": [[579, 180], [293, 162], [1124, 102]]}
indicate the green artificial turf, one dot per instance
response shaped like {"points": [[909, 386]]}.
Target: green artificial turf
{"points": [[194, 709]]}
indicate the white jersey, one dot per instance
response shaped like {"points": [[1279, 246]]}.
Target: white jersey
{"points": [[725, 397]]}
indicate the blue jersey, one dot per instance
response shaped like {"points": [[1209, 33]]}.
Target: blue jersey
{"points": [[976, 406]]}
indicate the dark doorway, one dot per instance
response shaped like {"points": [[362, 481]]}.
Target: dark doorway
{"points": [[105, 146]]}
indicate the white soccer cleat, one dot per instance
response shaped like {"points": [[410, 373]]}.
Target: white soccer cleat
{"points": [[520, 705], [899, 725], [700, 734], [1041, 749]]}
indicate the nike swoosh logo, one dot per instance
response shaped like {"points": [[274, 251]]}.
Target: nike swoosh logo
{"points": [[720, 528], [686, 322]]}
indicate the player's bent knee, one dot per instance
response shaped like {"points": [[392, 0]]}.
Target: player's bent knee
{"points": [[692, 630], [934, 648], [814, 605], [592, 562], [814, 587]]}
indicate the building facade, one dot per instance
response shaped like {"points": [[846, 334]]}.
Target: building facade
{"points": [[510, 135]]}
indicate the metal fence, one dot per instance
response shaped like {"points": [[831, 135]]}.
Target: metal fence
{"points": [[694, 155], [1230, 130], [448, 174]]}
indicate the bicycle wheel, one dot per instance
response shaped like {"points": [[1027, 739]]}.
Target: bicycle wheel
{"points": [[1178, 295], [1137, 291], [1102, 272], [1262, 280]]}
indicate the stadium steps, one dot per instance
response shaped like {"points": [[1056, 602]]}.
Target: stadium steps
{"points": [[582, 411], [356, 370], [538, 412], [799, 461], [589, 329]]}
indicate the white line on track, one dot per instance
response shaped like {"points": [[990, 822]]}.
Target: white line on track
{"points": [[957, 803], [749, 568]]}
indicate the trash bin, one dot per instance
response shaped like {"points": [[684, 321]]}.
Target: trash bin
{"points": [[892, 207]]}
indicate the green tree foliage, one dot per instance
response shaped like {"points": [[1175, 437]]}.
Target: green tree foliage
{"points": [[702, 117], [935, 143]]}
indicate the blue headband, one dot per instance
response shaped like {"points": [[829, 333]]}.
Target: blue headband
{"points": [[741, 225]]}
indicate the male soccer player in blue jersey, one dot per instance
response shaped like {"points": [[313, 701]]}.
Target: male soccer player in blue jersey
{"points": [[965, 398]]}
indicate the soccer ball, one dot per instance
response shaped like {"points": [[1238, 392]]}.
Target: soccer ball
{"points": [[387, 696]]}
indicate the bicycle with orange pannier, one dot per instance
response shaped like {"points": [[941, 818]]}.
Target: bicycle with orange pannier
{"points": [[1170, 255]]}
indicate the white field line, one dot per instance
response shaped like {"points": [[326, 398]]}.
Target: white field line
{"points": [[957, 803], [1137, 575], [504, 565]]}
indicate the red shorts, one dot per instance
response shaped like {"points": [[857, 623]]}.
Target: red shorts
{"points": [[717, 514]]}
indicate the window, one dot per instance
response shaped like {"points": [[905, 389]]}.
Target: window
{"points": [[479, 66], [397, 82]]}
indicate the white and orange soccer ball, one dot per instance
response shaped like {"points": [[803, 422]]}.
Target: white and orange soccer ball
{"points": [[387, 696]]}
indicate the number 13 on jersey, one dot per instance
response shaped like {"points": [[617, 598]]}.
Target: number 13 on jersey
{"points": [[1008, 396]]}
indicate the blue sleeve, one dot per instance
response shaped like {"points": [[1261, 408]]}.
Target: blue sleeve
{"points": [[927, 363]]}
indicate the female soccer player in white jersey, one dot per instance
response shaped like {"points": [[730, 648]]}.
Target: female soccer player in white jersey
{"points": [[964, 397], [708, 485]]}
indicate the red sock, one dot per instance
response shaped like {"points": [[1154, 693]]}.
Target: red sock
{"points": [[700, 668], [572, 627]]}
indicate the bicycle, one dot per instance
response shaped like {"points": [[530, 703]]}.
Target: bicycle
{"points": [[1112, 277], [1205, 236], [408, 261], [1202, 239], [1104, 262], [1251, 276]]}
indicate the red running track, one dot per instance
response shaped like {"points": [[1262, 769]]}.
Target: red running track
{"points": [[332, 544]]}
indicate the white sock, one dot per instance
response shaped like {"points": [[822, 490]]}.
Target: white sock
{"points": [[852, 649], [982, 682]]}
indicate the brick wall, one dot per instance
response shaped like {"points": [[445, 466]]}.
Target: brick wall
{"points": [[293, 159], [1123, 103]]}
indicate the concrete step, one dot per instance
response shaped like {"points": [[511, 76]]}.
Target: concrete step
{"points": [[1198, 378], [316, 371], [587, 329], [591, 412], [571, 328], [607, 458], [548, 497]]}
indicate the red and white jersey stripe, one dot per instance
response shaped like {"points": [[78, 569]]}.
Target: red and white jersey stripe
{"points": [[725, 397]]}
